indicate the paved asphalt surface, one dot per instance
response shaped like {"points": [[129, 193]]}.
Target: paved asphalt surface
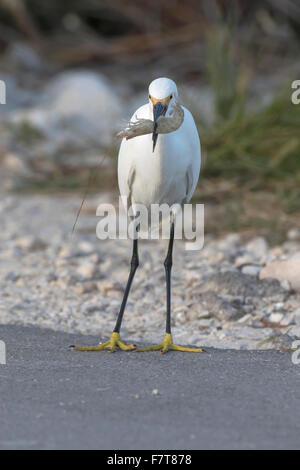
{"points": [[55, 398]]}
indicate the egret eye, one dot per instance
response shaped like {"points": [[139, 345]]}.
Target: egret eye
{"points": [[171, 96]]}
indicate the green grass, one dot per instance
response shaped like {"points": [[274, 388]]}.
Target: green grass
{"points": [[251, 160], [69, 181], [26, 133], [260, 147], [251, 171]]}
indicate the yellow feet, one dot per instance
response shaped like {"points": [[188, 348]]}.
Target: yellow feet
{"points": [[112, 344], [168, 345]]}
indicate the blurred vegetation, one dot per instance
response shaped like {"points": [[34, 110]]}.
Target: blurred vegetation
{"points": [[251, 170], [254, 152]]}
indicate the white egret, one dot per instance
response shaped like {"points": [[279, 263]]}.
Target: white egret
{"points": [[161, 167]]}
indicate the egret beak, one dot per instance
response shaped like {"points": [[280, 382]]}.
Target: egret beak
{"points": [[159, 109]]}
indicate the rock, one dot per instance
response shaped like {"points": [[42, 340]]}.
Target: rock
{"points": [[229, 243], [293, 234], [85, 247], [76, 105], [30, 243], [256, 251], [81, 249], [245, 318], [286, 285], [294, 331], [13, 277], [258, 247], [180, 318], [279, 306], [86, 270], [85, 287], [286, 270], [21, 55], [90, 309], [239, 284], [107, 287], [195, 311], [219, 307], [276, 317], [292, 317], [251, 269], [16, 164], [296, 314], [65, 251]]}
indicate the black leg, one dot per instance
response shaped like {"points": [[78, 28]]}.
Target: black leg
{"points": [[133, 267], [115, 341], [168, 267], [167, 343]]}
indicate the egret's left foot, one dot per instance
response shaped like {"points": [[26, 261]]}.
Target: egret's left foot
{"points": [[111, 345], [168, 345]]}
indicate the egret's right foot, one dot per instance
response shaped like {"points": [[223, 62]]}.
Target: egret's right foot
{"points": [[111, 345]]}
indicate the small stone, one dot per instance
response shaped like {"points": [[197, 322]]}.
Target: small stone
{"points": [[86, 247], [294, 331], [287, 270], [239, 284], [155, 392], [286, 285], [70, 105], [107, 287], [12, 277], [276, 317], [205, 323], [293, 234], [85, 288], [50, 277], [229, 242], [245, 318], [16, 164], [217, 257], [251, 269], [248, 308], [292, 317], [180, 318], [86, 270], [278, 306], [196, 311], [65, 252], [30, 243], [296, 313], [220, 308], [90, 309], [288, 319]]}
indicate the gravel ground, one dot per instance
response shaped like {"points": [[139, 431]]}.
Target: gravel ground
{"points": [[74, 283]]}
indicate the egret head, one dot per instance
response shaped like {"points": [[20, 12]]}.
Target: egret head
{"points": [[162, 92]]}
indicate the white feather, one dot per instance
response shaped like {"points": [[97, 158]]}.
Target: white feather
{"points": [[170, 173]]}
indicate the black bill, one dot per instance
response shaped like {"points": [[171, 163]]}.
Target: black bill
{"points": [[159, 109]]}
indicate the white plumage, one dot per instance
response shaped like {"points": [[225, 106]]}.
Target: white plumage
{"points": [[170, 173], [156, 169]]}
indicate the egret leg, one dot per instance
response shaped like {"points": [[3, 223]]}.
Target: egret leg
{"points": [[167, 343], [115, 341]]}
